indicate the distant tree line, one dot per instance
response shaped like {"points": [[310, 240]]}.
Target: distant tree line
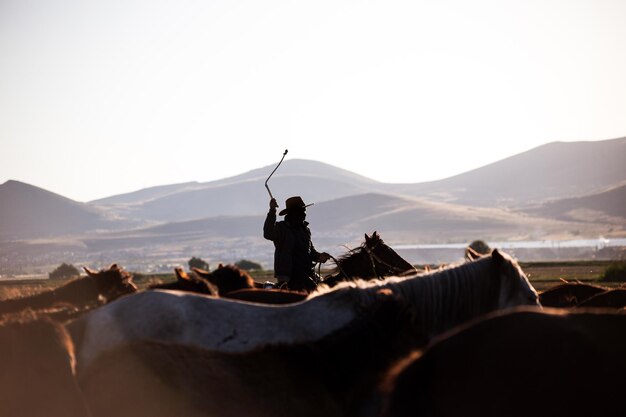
{"points": [[245, 264], [64, 271], [249, 265], [198, 263]]}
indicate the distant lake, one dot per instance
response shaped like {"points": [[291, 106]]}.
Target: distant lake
{"points": [[528, 244]]}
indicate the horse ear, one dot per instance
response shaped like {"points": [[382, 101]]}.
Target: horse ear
{"points": [[497, 256], [200, 272], [181, 275], [471, 254], [90, 272], [220, 266], [367, 238]]}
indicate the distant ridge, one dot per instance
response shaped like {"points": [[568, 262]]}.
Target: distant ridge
{"points": [[611, 203], [290, 171], [145, 194], [551, 171], [244, 194], [29, 211]]}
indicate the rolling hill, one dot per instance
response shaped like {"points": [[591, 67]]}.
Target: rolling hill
{"points": [[27, 211], [145, 194], [554, 170], [608, 206], [399, 219], [241, 195]]}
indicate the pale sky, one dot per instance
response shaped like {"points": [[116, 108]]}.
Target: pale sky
{"points": [[104, 97]]}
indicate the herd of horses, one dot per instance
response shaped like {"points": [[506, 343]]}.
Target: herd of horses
{"points": [[377, 338]]}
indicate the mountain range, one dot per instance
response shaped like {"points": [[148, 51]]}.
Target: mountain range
{"points": [[558, 190]]}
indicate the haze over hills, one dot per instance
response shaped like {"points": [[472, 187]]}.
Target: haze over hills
{"points": [[242, 195], [552, 171], [146, 194], [608, 206], [513, 199], [291, 173]]}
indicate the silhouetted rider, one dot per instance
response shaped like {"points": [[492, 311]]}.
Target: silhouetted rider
{"points": [[294, 253]]}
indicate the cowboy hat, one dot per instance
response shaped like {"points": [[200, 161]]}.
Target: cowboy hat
{"points": [[293, 203]]}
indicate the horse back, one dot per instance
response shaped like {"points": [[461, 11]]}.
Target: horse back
{"points": [[267, 296]]}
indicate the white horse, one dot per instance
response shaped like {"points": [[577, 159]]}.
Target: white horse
{"points": [[442, 299]]}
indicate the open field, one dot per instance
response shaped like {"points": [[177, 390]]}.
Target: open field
{"points": [[546, 274], [541, 274]]}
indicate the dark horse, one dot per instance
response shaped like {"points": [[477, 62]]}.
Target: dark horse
{"points": [[372, 260]]}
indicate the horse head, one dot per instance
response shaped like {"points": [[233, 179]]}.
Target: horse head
{"points": [[226, 278], [194, 283], [386, 261], [373, 259], [515, 288], [185, 282], [113, 282]]}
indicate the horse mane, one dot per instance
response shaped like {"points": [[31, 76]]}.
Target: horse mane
{"points": [[442, 297], [351, 254], [345, 259]]}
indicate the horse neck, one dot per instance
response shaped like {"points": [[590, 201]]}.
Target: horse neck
{"points": [[35, 302], [229, 283], [75, 292], [358, 264], [451, 296]]}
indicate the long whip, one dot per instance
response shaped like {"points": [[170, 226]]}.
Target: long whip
{"points": [[268, 178]]}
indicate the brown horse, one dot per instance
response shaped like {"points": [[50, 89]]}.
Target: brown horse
{"points": [[372, 260], [226, 278], [568, 294], [229, 282], [78, 295], [614, 298], [185, 282], [37, 369], [523, 362]]}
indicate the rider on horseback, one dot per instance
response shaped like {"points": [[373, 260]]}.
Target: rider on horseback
{"points": [[294, 255]]}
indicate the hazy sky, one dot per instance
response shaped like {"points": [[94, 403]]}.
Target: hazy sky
{"points": [[104, 97]]}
